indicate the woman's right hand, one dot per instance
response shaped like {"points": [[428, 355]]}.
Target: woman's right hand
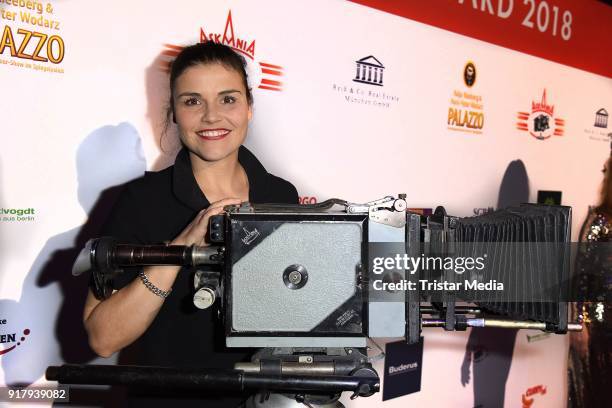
{"points": [[194, 233]]}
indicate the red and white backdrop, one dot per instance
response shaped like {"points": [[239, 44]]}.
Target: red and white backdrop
{"points": [[355, 100]]}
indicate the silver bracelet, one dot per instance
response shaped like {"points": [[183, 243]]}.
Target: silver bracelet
{"points": [[161, 293]]}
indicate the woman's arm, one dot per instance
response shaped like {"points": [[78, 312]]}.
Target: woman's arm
{"points": [[116, 322]]}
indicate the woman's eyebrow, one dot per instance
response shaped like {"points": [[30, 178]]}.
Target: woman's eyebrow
{"points": [[229, 91], [188, 94]]}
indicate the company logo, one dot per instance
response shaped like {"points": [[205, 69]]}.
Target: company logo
{"points": [[267, 76], [528, 402], [541, 122], [469, 74], [17, 214], [369, 71], [402, 368], [597, 131], [465, 113], [601, 119], [9, 341], [308, 200], [24, 42], [249, 236], [346, 317]]}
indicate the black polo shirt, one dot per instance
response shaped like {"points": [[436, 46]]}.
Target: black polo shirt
{"points": [[154, 209]]}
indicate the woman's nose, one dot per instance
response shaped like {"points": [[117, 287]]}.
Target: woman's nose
{"points": [[210, 114]]}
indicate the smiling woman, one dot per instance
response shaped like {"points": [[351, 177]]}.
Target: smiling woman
{"points": [[150, 316]]}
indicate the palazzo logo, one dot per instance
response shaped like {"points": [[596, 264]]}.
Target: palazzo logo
{"points": [[267, 75], [541, 123], [466, 109], [369, 71]]}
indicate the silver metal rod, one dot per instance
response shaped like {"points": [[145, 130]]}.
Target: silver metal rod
{"points": [[206, 255], [500, 323], [291, 368]]}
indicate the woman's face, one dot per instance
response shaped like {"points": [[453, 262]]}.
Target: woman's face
{"points": [[211, 111]]}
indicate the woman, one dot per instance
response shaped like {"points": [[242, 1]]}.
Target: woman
{"points": [[151, 310], [590, 354]]}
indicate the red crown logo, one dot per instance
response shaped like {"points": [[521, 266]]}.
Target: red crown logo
{"points": [[542, 106], [228, 38]]}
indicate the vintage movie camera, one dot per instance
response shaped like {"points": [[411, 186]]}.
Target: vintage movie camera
{"points": [[296, 282]]}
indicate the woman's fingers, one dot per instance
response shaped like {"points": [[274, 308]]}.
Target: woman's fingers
{"points": [[195, 232]]}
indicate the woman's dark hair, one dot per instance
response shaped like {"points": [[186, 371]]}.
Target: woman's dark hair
{"points": [[605, 202], [208, 52]]}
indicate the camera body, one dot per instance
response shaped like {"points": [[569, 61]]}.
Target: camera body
{"points": [[297, 277]]}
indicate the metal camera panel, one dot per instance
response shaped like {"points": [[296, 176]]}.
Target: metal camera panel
{"points": [[294, 280]]}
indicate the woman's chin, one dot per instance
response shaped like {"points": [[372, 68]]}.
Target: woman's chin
{"points": [[211, 155]]}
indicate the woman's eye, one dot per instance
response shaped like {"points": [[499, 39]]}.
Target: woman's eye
{"points": [[229, 99], [192, 101]]}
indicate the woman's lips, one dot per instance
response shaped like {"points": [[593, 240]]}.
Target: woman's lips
{"points": [[213, 134]]}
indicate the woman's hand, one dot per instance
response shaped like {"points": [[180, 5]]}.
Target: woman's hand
{"points": [[112, 324], [194, 233]]}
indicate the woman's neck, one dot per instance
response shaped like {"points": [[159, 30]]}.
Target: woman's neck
{"points": [[220, 179]]}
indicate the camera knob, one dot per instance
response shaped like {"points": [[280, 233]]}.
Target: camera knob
{"points": [[204, 298]]}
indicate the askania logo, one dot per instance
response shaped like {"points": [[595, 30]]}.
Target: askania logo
{"points": [[541, 123], [264, 75], [17, 214], [10, 341], [370, 72], [527, 401], [598, 130], [466, 110], [403, 368]]}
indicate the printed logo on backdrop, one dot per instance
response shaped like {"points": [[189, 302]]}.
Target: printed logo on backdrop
{"points": [[368, 87], [265, 75], [541, 122], [598, 130], [529, 396], [465, 113], [17, 214], [10, 341], [30, 36], [308, 200]]}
